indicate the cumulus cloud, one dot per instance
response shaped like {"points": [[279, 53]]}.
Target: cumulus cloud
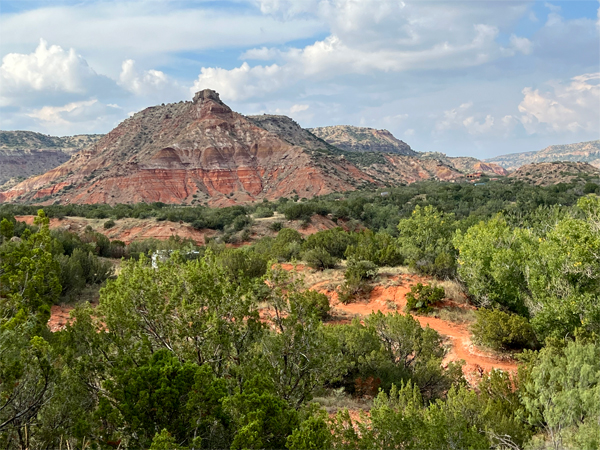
{"points": [[75, 117], [521, 44], [153, 85], [573, 107], [147, 31], [473, 122], [48, 70], [242, 82], [371, 37]]}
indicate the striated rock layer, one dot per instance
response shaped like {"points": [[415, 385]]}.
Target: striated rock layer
{"points": [[202, 152], [26, 153]]}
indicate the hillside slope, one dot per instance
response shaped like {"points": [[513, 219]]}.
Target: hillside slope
{"points": [[544, 174], [588, 152], [202, 152], [187, 152], [26, 153], [362, 139]]}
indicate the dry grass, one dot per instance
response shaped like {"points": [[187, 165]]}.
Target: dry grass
{"points": [[337, 400], [456, 315], [454, 291], [397, 270]]}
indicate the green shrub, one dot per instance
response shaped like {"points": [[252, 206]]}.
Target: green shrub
{"points": [[109, 224], [317, 302], [263, 211], [360, 270], [422, 296], [276, 226], [319, 258], [503, 331]]}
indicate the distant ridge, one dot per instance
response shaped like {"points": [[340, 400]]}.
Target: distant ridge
{"points": [[362, 139], [27, 153], [588, 152], [200, 152]]}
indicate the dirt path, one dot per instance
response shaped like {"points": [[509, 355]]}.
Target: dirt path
{"points": [[387, 297], [393, 298]]}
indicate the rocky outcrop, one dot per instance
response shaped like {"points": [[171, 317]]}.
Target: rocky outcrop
{"points": [[362, 139], [466, 164], [202, 152], [588, 152], [187, 152], [26, 153]]}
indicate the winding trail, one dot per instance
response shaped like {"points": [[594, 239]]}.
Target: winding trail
{"points": [[393, 298]]}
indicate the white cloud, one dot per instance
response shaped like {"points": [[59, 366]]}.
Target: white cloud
{"points": [[298, 108], [371, 37], [521, 44], [574, 107], [473, 122], [242, 82], [153, 85], [75, 117], [147, 31], [49, 69], [55, 115]]}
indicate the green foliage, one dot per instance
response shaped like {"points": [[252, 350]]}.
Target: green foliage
{"points": [[360, 270], [80, 269], [164, 441], [400, 420], [109, 224], [262, 211], [379, 248], [319, 259], [561, 395], [276, 226], [243, 264], [163, 394], [491, 263], [312, 434], [29, 276], [422, 296], [300, 356], [334, 241], [425, 241], [395, 347], [502, 331], [287, 245], [357, 274], [7, 230], [261, 418]]}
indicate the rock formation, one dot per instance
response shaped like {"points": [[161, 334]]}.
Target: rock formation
{"points": [[362, 139], [202, 152], [545, 174], [588, 152], [26, 153]]}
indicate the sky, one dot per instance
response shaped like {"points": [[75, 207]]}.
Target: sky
{"points": [[470, 78]]}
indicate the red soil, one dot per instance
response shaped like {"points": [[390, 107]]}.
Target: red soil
{"points": [[129, 230], [59, 317], [393, 298]]}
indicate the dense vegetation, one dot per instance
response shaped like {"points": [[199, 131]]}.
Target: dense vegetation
{"points": [[217, 347]]}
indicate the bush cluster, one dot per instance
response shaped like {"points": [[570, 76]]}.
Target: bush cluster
{"points": [[422, 296]]}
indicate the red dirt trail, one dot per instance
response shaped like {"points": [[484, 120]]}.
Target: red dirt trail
{"points": [[393, 298], [385, 299]]}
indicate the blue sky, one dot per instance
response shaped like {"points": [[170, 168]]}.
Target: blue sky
{"points": [[477, 78]]}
